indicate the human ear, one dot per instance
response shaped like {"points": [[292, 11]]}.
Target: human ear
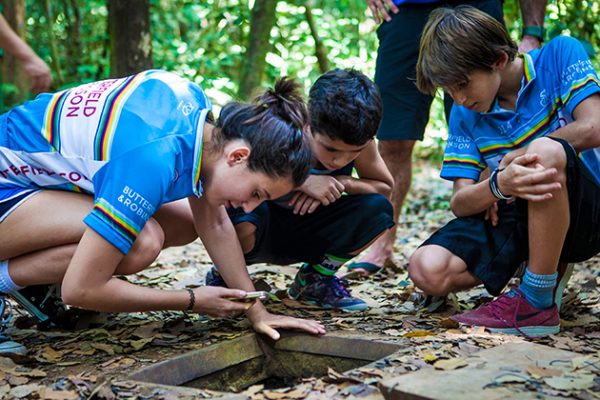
{"points": [[502, 61], [238, 155]]}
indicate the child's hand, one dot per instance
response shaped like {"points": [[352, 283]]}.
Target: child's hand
{"points": [[526, 178], [492, 214], [215, 301], [303, 203], [326, 189]]}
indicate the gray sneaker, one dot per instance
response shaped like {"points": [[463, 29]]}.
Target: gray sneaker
{"points": [[8, 346]]}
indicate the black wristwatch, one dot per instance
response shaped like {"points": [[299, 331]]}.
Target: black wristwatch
{"points": [[537, 31]]}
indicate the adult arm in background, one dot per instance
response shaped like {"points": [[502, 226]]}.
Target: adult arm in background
{"points": [[381, 9], [532, 14], [35, 68]]}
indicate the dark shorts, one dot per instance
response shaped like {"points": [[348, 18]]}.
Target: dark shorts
{"points": [[493, 254], [405, 109], [343, 227], [9, 205]]}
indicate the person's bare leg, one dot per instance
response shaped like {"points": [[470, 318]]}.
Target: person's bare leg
{"points": [[397, 155], [39, 244], [246, 233], [438, 272], [177, 223], [548, 220]]}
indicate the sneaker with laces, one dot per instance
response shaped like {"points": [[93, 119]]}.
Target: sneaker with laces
{"points": [[511, 313], [7, 346], [311, 287], [41, 301], [214, 278]]}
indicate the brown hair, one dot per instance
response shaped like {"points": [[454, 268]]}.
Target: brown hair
{"points": [[273, 127], [457, 41]]}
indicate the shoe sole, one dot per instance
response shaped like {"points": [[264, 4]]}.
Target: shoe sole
{"points": [[562, 285], [11, 347], [531, 331]]}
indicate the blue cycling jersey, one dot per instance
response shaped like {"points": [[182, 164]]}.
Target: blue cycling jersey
{"points": [[135, 143], [556, 79]]}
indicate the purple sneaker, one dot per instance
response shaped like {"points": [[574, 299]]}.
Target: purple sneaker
{"points": [[510, 313], [311, 287], [214, 278]]}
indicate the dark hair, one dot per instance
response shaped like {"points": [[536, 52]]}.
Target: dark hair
{"points": [[457, 41], [344, 104], [272, 126]]}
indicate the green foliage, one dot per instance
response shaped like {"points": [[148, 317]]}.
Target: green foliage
{"points": [[205, 41]]}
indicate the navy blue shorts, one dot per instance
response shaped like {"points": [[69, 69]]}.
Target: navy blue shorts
{"points": [[347, 225], [405, 109], [493, 254], [7, 206]]}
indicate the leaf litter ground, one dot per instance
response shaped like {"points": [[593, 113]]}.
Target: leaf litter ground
{"points": [[94, 361]]}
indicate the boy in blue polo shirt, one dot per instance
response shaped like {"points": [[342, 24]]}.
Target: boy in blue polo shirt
{"points": [[532, 120]]}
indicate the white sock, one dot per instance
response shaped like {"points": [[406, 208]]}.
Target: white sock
{"points": [[7, 285]]}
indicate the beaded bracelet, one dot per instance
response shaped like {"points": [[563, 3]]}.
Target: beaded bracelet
{"points": [[494, 185], [192, 302]]}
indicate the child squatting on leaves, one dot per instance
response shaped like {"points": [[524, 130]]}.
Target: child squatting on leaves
{"points": [[533, 121]]}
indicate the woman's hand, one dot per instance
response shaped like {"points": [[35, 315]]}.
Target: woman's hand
{"points": [[266, 323], [216, 301]]}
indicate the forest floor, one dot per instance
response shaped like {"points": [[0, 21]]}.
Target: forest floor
{"points": [[94, 362]]}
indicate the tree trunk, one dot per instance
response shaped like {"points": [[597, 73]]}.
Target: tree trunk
{"points": [[72, 48], [253, 68], [130, 40], [12, 73], [58, 76], [320, 50]]}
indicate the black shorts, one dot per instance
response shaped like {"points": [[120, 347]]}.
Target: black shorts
{"points": [[405, 109], [493, 254], [343, 227]]}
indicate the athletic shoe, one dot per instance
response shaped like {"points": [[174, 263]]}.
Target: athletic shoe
{"points": [[7, 346], [511, 313], [311, 287], [214, 278], [564, 274], [43, 302]]}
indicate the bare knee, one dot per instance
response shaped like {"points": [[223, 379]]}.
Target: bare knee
{"points": [[429, 269], [144, 251], [550, 152], [246, 232]]}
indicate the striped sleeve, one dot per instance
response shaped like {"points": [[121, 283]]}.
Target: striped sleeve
{"points": [[462, 158], [578, 79]]}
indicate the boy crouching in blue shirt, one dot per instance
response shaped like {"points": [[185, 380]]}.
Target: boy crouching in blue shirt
{"points": [[533, 120]]}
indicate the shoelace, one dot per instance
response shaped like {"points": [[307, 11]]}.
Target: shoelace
{"points": [[339, 286], [499, 304]]}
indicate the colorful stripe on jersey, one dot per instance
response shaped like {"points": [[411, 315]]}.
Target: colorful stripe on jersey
{"points": [[121, 224], [579, 86], [196, 178], [110, 115], [51, 127], [463, 162]]}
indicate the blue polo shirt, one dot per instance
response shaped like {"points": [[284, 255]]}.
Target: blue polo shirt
{"points": [[556, 79]]}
